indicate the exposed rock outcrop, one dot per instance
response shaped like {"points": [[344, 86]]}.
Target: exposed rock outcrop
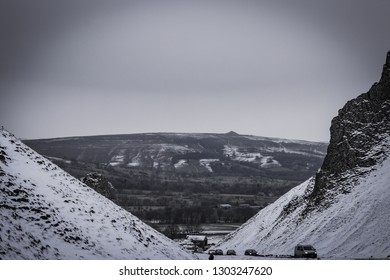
{"points": [[358, 138], [100, 184]]}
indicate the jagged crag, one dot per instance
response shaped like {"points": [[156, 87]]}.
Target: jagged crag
{"points": [[360, 139]]}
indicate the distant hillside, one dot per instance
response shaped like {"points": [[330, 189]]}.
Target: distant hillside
{"points": [[228, 154], [183, 177]]}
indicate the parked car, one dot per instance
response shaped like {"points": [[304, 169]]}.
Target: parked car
{"points": [[251, 252], [230, 252], [211, 252], [305, 251], [218, 252]]}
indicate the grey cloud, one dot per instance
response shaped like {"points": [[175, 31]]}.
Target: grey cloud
{"points": [[258, 66]]}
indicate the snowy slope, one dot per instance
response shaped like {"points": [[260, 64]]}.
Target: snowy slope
{"points": [[47, 214], [355, 226]]}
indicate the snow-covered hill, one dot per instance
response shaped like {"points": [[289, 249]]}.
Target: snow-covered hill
{"points": [[344, 210], [207, 154], [47, 214]]}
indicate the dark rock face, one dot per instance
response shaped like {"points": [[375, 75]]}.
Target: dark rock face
{"points": [[358, 138], [100, 184]]}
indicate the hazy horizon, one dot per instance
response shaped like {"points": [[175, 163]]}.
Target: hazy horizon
{"points": [[265, 68]]}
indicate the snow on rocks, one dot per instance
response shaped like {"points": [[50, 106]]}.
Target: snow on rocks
{"points": [[181, 163], [206, 163], [236, 154]]}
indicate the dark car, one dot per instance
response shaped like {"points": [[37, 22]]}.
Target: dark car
{"points": [[251, 252], [218, 252], [230, 252], [305, 251]]}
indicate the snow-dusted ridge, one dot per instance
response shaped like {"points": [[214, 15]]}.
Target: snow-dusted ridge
{"points": [[258, 156], [281, 140], [47, 214]]}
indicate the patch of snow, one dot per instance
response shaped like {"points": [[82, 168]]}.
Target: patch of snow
{"points": [[164, 148], [135, 161], [234, 153], [283, 149], [206, 163], [264, 161], [116, 160], [181, 163], [268, 162]]}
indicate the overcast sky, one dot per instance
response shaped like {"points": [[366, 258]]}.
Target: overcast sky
{"points": [[279, 68]]}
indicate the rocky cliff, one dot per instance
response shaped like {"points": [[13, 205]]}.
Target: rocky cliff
{"points": [[359, 139]]}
